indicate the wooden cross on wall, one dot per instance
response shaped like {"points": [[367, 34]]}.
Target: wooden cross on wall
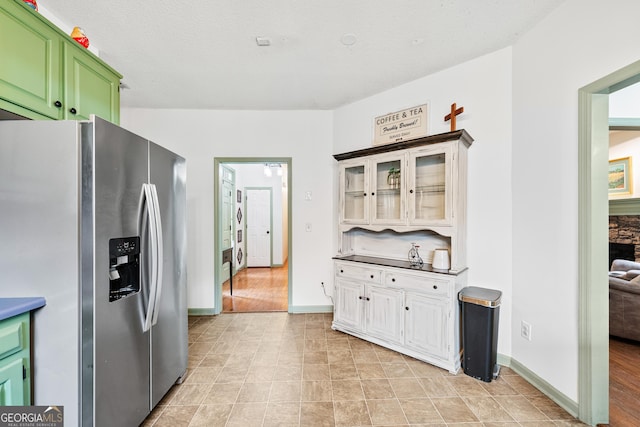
{"points": [[452, 115]]}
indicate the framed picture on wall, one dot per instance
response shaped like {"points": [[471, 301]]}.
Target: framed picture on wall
{"points": [[239, 196], [620, 177], [239, 236]]}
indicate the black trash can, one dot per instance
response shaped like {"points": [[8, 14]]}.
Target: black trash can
{"points": [[480, 315]]}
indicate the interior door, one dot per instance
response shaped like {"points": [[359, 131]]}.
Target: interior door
{"points": [[258, 225]]}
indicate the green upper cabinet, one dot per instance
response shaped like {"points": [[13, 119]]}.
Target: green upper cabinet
{"points": [[90, 87], [45, 74]]}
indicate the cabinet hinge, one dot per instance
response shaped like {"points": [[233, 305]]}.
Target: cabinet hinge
{"points": [[24, 373]]}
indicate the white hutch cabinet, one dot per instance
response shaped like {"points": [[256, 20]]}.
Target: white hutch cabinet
{"points": [[390, 197]]}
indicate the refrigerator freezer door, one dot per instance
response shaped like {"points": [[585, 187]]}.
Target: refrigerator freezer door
{"points": [[122, 349], [169, 334]]}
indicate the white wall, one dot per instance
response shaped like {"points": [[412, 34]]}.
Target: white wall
{"points": [[575, 45], [483, 87], [201, 135]]}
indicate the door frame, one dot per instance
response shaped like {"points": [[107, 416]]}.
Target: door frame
{"points": [[593, 212], [218, 259], [246, 214], [217, 244]]}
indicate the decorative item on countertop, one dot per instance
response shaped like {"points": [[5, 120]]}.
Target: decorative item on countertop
{"points": [[78, 35], [440, 259], [393, 178], [414, 256], [32, 4]]}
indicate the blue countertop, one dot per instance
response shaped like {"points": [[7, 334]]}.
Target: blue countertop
{"points": [[10, 307]]}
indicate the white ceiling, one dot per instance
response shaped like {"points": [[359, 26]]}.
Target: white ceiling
{"points": [[203, 54]]}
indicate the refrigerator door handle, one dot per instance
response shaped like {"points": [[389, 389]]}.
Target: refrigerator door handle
{"points": [[148, 213], [159, 254]]}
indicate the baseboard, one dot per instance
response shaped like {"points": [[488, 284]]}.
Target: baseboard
{"points": [[201, 311], [547, 389], [310, 309]]}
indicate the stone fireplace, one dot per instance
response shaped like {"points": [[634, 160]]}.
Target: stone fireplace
{"points": [[624, 237]]}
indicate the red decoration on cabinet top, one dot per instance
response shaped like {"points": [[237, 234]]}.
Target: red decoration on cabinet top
{"points": [[78, 35], [32, 4]]}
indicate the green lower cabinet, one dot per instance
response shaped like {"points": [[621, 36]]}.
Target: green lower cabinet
{"points": [[15, 361], [44, 73]]}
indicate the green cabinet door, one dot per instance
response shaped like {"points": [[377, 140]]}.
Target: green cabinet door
{"points": [[15, 360], [30, 72], [90, 87]]}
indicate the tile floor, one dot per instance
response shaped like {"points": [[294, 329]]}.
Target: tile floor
{"points": [[279, 369]]}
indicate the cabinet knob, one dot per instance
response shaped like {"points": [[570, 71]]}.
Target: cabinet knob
{"points": [[341, 271], [373, 194], [406, 308], [360, 297], [57, 104], [393, 279], [372, 276], [435, 286], [368, 299], [411, 191], [365, 194], [73, 110]]}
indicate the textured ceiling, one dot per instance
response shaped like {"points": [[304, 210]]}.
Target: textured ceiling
{"points": [[203, 54]]}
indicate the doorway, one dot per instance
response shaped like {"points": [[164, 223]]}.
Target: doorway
{"points": [[255, 287], [593, 212]]}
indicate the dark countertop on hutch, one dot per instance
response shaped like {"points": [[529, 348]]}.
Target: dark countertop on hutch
{"points": [[385, 262]]}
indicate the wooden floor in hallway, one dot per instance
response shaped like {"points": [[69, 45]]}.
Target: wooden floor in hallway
{"points": [[257, 289], [624, 383]]}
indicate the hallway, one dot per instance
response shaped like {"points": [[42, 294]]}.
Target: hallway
{"points": [[257, 289]]}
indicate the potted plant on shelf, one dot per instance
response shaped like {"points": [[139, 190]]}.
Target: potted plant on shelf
{"points": [[393, 177]]}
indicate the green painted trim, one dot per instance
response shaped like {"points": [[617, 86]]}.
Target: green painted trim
{"points": [[547, 389], [624, 123], [21, 111], [629, 206], [593, 324], [201, 312], [289, 162], [296, 309]]}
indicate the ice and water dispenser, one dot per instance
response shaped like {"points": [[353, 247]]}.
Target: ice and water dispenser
{"points": [[124, 267]]}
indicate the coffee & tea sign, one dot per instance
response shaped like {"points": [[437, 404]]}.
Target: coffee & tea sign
{"points": [[400, 126]]}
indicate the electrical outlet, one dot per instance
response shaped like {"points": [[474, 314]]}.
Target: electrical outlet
{"points": [[525, 330]]}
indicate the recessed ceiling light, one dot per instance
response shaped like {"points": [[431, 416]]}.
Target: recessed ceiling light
{"points": [[348, 39], [263, 41]]}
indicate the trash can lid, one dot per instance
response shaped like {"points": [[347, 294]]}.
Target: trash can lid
{"points": [[480, 296]]}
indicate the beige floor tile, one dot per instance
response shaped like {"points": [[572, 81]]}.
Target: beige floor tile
{"points": [[397, 370], [351, 413], [345, 371], [222, 393], [521, 386], [214, 360], [340, 356], [337, 341], [260, 374], [365, 356], [386, 412], [467, 386], [190, 394], [424, 370], [288, 372], [487, 409], [520, 408], [315, 372], [211, 416], [317, 414], [377, 389], [454, 410], [389, 356], [315, 345], [247, 414], [282, 414], [499, 387], [232, 374], [437, 387], [420, 411], [367, 371], [315, 357], [265, 359], [316, 391], [347, 390], [206, 375], [550, 408], [407, 388], [254, 392], [176, 416], [285, 391]]}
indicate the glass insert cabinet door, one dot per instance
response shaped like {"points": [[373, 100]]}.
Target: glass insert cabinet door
{"points": [[354, 185], [388, 183], [430, 187]]}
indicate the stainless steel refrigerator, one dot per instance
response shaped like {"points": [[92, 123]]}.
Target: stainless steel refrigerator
{"points": [[92, 217]]}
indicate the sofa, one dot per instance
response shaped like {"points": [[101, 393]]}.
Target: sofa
{"points": [[624, 299]]}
